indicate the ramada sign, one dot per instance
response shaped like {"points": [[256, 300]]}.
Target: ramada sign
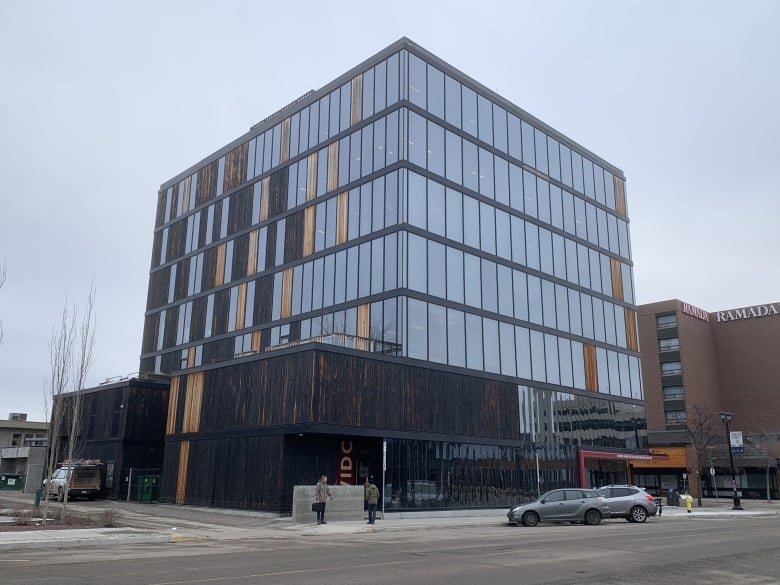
{"points": [[695, 312], [733, 314], [747, 313]]}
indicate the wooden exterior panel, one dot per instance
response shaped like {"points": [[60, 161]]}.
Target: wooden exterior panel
{"points": [[240, 211], [309, 225], [158, 288], [617, 278], [329, 388], [311, 178], [287, 292], [151, 329], [632, 339], [185, 196], [333, 166], [241, 307], [198, 319], [160, 218], [264, 298], [177, 236], [284, 143], [620, 196], [193, 404], [277, 200], [219, 269], [251, 262], [364, 320], [181, 475], [265, 190], [342, 218], [356, 109], [235, 167], [206, 188], [591, 369]]}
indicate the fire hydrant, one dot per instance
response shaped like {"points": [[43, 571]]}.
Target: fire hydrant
{"points": [[688, 503]]}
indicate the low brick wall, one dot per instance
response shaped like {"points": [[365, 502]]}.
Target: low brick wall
{"points": [[347, 503]]}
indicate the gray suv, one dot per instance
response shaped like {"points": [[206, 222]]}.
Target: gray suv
{"points": [[629, 502]]}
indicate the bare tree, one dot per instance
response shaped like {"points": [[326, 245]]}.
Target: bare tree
{"points": [[700, 424], [762, 446], [70, 352], [60, 352]]}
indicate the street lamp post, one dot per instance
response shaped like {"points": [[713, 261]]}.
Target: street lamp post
{"points": [[726, 418]]}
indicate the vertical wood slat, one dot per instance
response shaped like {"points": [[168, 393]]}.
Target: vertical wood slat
{"points": [[617, 278], [333, 166], [309, 217], [219, 273], [342, 218], [181, 476], [311, 178], [192, 403], [356, 111], [364, 320], [173, 401], [190, 357], [284, 143], [591, 369], [251, 262], [620, 196], [241, 307], [631, 333], [363, 327], [255, 340], [264, 196], [186, 196], [287, 292], [235, 167]]}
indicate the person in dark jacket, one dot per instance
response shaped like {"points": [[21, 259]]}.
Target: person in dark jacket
{"points": [[372, 497], [321, 495]]}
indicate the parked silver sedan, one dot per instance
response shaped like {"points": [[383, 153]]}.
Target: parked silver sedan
{"points": [[562, 505]]}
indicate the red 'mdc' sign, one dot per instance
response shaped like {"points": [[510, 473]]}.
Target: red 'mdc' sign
{"points": [[346, 464]]}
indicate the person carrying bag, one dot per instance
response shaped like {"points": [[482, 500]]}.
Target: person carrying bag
{"points": [[321, 495]]}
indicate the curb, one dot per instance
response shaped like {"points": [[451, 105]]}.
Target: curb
{"points": [[174, 538], [78, 542]]}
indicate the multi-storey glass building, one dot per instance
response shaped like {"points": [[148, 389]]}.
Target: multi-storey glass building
{"points": [[403, 274]]}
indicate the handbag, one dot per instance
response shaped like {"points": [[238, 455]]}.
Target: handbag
{"points": [[317, 506]]}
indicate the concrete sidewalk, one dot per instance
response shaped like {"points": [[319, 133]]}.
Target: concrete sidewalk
{"points": [[162, 523]]}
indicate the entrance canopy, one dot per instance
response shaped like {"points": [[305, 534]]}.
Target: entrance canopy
{"points": [[611, 464]]}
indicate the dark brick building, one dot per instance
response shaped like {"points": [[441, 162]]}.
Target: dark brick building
{"points": [[696, 364]]}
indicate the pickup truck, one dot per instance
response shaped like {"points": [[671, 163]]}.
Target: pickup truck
{"points": [[80, 481]]}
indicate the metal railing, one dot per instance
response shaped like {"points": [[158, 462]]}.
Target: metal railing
{"points": [[343, 340]]}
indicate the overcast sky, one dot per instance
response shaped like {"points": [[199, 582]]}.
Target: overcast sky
{"points": [[101, 102]]}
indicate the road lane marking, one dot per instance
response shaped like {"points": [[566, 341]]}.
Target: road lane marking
{"points": [[279, 573]]}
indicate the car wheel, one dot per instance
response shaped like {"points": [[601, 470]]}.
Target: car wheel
{"points": [[638, 514], [530, 519], [60, 495], [592, 517]]}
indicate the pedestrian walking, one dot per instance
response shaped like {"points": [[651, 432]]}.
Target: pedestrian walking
{"points": [[372, 498], [321, 495]]}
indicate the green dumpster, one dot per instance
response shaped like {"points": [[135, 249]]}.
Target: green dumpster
{"points": [[12, 481], [148, 488]]}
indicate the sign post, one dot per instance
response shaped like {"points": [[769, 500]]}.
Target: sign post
{"points": [[384, 469]]}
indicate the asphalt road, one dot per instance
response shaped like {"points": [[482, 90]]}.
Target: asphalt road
{"points": [[711, 551]]}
